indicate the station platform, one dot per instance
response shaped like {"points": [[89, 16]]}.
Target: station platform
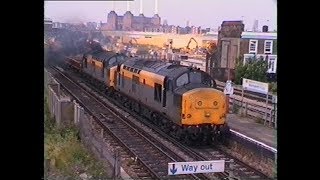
{"points": [[252, 129]]}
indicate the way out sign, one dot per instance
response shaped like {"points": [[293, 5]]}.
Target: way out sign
{"points": [[196, 167]]}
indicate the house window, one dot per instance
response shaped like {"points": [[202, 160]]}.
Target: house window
{"points": [[122, 85], [157, 92], [272, 64], [247, 57], [85, 62], [253, 46], [268, 47]]}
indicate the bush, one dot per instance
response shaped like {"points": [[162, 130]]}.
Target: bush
{"points": [[273, 87], [66, 154], [255, 69]]}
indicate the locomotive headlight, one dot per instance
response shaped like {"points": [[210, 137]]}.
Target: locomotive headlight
{"points": [[199, 103]]}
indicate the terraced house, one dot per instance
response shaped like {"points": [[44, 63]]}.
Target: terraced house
{"points": [[260, 45]]}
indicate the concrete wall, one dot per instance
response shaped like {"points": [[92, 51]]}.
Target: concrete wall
{"points": [[60, 106], [229, 52], [66, 111]]}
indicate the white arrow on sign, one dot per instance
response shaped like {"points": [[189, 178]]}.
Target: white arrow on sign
{"points": [[196, 167]]}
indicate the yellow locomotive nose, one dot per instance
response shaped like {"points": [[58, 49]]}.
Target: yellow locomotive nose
{"points": [[203, 106]]}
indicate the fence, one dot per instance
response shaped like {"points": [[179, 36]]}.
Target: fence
{"points": [[255, 110], [65, 111], [59, 104], [251, 95], [252, 105]]}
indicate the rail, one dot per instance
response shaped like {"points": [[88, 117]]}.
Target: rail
{"points": [[142, 146], [243, 169]]}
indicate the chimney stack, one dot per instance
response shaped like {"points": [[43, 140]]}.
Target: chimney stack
{"points": [[128, 5], [265, 28], [141, 7], [156, 7]]}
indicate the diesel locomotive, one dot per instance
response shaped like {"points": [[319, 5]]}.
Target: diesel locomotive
{"points": [[182, 101]]}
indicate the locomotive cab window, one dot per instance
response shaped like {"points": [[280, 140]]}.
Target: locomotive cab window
{"points": [[207, 80], [120, 58], [157, 92], [93, 66], [85, 62], [122, 84], [195, 77], [102, 69], [182, 80], [169, 86], [135, 82], [112, 61]]}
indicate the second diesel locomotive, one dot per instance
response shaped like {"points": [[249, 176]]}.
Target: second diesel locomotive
{"points": [[182, 101]]}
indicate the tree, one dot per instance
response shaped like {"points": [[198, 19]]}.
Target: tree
{"points": [[254, 68]]}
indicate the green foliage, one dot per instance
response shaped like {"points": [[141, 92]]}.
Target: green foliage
{"points": [[255, 69], [273, 87], [65, 153]]}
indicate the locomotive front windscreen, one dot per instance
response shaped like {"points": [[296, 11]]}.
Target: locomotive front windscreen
{"points": [[195, 77]]}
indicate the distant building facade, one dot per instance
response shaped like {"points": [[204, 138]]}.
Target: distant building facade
{"points": [[234, 42], [129, 22], [260, 45], [92, 25], [47, 24]]}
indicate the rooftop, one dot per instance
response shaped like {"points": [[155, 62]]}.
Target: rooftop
{"points": [[259, 35]]}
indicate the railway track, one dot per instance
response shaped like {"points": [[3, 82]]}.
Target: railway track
{"points": [[233, 165], [151, 154]]}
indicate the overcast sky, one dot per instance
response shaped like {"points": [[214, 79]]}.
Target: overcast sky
{"points": [[204, 13]]}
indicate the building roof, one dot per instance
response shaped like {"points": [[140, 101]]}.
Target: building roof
{"points": [[259, 35], [47, 21], [231, 22]]}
